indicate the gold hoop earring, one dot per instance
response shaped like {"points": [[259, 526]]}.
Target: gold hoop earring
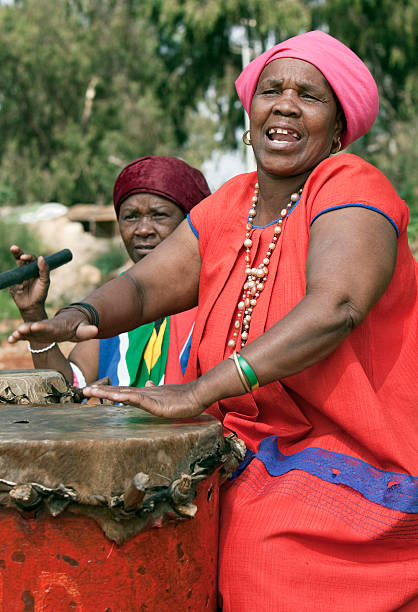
{"points": [[245, 138], [337, 148]]}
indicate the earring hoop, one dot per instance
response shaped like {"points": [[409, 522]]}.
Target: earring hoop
{"points": [[245, 139], [337, 148]]}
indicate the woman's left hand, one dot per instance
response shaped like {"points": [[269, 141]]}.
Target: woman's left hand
{"points": [[169, 401]]}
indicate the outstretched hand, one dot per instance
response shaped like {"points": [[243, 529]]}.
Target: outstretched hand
{"points": [[69, 325], [30, 296], [169, 401]]}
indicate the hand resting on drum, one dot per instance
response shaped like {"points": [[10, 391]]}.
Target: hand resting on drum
{"points": [[169, 401], [184, 400]]}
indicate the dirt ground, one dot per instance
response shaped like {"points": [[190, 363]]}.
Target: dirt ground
{"points": [[17, 356]]}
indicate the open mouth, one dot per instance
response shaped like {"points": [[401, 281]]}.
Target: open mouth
{"points": [[283, 135]]}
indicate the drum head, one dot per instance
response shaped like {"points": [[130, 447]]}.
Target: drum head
{"points": [[117, 458]]}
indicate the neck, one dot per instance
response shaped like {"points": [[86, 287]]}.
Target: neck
{"points": [[274, 194]]}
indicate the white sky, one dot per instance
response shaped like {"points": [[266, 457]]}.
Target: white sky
{"points": [[221, 167]]}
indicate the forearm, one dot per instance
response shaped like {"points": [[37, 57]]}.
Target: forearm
{"points": [[52, 358], [119, 304], [164, 282], [133, 299], [118, 307], [308, 334]]}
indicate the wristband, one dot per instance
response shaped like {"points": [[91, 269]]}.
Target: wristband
{"points": [[244, 381], [249, 373], [86, 309], [94, 315]]}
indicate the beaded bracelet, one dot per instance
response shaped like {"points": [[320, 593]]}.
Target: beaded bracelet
{"points": [[244, 381], [42, 350], [249, 373]]}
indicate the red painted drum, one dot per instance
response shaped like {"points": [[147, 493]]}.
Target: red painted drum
{"points": [[107, 508]]}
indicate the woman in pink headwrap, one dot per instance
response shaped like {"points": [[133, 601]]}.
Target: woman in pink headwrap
{"points": [[151, 196], [303, 275]]}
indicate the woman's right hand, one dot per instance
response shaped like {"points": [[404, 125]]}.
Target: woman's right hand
{"points": [[30, 296], [70, 324], [178, 401]]}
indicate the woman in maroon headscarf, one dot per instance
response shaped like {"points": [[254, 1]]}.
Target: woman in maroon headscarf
{"points": [[151, 196], [304, 268]]}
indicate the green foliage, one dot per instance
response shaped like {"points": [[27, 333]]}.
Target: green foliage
{"points": [[77, 99], [8, 310], [12, 232], [197, 48], [413, 234], [88, 85], [384, 34], [114, 257]]}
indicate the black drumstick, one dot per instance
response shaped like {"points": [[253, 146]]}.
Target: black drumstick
{"points": [[31, 270]]}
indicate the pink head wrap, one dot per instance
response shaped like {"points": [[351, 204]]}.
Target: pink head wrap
{"points": [[345, 72], [168, 177]]}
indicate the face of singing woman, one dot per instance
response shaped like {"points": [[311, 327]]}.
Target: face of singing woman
{"points": [[145, 220], [294, 118]]}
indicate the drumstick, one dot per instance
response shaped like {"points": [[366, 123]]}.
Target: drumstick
{"points": [[31, 270]]}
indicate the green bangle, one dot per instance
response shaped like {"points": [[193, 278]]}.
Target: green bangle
{"points": [[248, 372], [241, 374]]}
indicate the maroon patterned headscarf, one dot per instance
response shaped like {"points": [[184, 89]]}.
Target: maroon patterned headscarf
{"points": [[168, 177]]}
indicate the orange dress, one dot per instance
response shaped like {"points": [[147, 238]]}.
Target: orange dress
{"points": [[325, 514]]}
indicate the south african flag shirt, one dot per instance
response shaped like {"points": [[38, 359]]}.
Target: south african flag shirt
{"points": [[157, 351]]}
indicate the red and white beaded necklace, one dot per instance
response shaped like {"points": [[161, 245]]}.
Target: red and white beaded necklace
{"points": [[256, 277]]}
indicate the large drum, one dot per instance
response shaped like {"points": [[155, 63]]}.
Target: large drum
{"points": [[107, 508]]}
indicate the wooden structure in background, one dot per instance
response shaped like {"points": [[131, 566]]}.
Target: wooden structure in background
{"points": [[99, 220]]}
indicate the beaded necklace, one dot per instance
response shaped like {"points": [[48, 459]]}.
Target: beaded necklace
{"points": [[257, 276]]}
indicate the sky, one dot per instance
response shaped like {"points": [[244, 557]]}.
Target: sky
{"points": [[223, 166]]}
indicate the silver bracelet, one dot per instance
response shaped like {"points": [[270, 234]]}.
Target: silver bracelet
{"points": [[42, 350]]}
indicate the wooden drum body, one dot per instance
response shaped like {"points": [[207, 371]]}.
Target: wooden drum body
{"points": [[107, 508]]}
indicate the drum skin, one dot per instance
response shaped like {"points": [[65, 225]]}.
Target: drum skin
{"points": [[77, 547], [67, 563]]}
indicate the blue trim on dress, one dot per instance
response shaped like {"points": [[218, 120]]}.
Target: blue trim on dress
{"points": [[192, 227], [353, 204], [276, 220], [389, 489], [249, 456]]}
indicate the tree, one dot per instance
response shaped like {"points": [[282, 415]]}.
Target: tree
{"points": [[384, 34], [200, 45], [77, 98], [88, 85]]}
